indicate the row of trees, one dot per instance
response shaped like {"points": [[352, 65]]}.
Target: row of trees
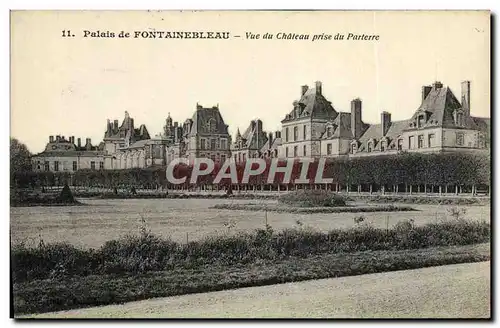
{"points": [[410, 168]]}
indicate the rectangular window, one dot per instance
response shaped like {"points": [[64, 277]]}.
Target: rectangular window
{"points": [[431, 140], [460, 139], [420, 121], [286, 151], [305, 133], [212, 144], [295, 151], [101, 165], [370, 147], [202, 141], [92, 165], [56, 166], [411, 142], [305, 150], [47, 166], [329, 149], [38, 165], [400, 144], [75, 167], [223, 144], [382, 146], [213, 157], [420, 141], [223, 158], [295, 133], [353, 148], [244, 157], [286, 134]]}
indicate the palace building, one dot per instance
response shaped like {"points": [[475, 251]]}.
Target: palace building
{"points": [[312, 128]]}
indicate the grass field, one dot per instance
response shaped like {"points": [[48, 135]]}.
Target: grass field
{"points": [[181, 219]]}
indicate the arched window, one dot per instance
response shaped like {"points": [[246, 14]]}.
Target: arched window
{"points": [[329, 132]]}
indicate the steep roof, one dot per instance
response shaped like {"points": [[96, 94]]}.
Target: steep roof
{"points": [[439, 106], [208, 121], [126, 130], [312, 104], [374, 132], [341, 126], [253, 137]]}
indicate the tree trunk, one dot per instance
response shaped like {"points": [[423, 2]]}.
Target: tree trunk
{"points": [[440, 190], [371, 188]]}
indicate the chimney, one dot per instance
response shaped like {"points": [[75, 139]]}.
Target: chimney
{"points": [[58, 138], [115, 125], [356, 121], [198, 106], [386, 122], [79, 142], [51, 138], [258, 126], [131, 124], [176, 132], [437, 85], [466, 97], [319, 88], [277, 134], [72, 139], [88, 144], [270, 137], [425, 91], [303, 89]]}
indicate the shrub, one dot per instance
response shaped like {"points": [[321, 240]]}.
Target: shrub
{"points": [[312, 198], [147, 252]]}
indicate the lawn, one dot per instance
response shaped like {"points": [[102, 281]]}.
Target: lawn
{"points": [[180, 219]]}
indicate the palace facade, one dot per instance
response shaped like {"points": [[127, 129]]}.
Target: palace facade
{"points": [[312, 128]]}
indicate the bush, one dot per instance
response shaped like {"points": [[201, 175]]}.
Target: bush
{"points": [[312, 198], [144, 253]]}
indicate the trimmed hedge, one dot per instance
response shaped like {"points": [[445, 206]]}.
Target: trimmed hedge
{"points": [[312, 198], [407, 168]]}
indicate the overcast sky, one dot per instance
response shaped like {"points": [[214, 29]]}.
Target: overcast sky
{"points": [[70, 86]]}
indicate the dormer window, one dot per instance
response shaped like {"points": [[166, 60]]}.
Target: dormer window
{"points": [[383, 145], [354, 148], [329, 131], [370, 146], [460, 119], [420, 120]]}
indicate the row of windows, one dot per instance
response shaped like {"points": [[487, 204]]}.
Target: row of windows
{"points": [[296, 133], [296, 151], [211, 144], [431, 141], [57, 165]]}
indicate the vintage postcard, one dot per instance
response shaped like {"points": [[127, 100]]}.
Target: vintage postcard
{"points": [[250, 164]]}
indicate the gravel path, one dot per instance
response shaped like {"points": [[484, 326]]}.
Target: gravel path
{"points": [[453, 291]]}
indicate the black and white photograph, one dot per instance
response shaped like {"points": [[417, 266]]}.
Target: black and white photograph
{"points": [[250, 164]]}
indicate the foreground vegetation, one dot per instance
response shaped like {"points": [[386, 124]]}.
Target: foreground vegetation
{"points": [[94, 290], [147, 252]]}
